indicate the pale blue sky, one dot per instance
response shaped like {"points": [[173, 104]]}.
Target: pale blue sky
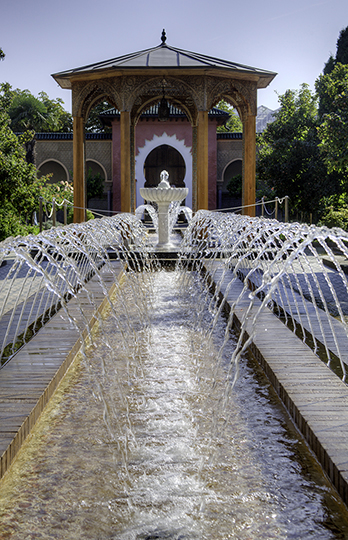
{"points": [[294, 38]]}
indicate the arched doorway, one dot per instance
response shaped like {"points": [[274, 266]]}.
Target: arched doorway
{"points": [[168, 158], [95, 168], [232, 176], [57, 171], [96, 177], [158, 154]]}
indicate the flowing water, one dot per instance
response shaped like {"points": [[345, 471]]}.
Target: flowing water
{"points": [[144, 440], [300, 272]]}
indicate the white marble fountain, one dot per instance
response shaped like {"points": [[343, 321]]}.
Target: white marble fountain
{"points": [[163, 195]]}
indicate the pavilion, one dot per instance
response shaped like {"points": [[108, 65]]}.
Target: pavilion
{"points": [[163, 76]]}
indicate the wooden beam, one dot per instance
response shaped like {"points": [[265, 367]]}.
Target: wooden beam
{"points": [[79, 169], [125, 162], [249, 165], [202, 161]]}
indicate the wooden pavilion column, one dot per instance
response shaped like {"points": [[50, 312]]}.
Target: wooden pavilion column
{"points": [[202, 161], [79, 169], [249, 165], [125, 133]]}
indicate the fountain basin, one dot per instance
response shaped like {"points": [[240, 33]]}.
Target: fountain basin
{"points": [[163, 195], [166, 195]]}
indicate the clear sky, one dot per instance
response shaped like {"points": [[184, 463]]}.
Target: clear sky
{"points": [[294, 39]]}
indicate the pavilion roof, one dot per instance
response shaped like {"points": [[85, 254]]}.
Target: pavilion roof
{"points": [[166, 57]]}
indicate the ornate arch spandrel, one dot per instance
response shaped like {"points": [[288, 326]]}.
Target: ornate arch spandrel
{"points": [[86, 95], [198, 85], [248, 90], [240, 94]]}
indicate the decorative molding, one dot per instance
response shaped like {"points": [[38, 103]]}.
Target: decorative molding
{"points": [[190, 92], [86, 95], [248, 90], [148, 91], [240, 94]]}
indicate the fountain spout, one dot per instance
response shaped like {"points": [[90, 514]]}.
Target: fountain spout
{"points": [[163, 195], [164, 184]]}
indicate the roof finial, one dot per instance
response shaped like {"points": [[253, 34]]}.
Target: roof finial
{"points": [[163, 37]]}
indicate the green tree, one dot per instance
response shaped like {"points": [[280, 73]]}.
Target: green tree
{"points": [[289, 158], [342, 47], [2, 54], [36, 114], [13, 168], [59, 118], [341, 57], [20, 187], [341, 53], [39, 114], [234, 186], [234, 123], [333, 131]]}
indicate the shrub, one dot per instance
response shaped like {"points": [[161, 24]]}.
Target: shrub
{"points": [[335, 218]]}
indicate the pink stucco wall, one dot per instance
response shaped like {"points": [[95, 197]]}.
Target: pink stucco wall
{"points": [[145, 130]]}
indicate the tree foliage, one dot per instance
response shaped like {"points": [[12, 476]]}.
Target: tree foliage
{"points": [[234, 186], [234, 123], [289, 159], [20, 188], [341, 56], [333, 131], [14, 171], [326, 94], [342, 47], [335, 218], [39, 114]]}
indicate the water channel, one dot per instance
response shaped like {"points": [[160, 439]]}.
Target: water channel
{"points": [[144, 440]]}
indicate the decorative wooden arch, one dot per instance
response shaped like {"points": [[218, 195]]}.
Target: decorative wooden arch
{"points": [[190, 81]]}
